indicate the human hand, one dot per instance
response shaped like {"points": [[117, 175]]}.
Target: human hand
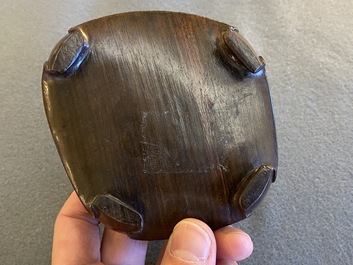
{"points": [[77, 240]]}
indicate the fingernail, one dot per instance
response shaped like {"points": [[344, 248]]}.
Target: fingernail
{"points": [[190, 243]]}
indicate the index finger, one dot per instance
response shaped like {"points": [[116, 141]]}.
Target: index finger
{"points": [[76, 235]]}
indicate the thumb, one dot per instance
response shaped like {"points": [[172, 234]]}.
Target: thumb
{"points": [[192, 242]]}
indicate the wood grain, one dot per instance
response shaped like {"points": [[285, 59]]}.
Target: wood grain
{"points": [[157, 119]]}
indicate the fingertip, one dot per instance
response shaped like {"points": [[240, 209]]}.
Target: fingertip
{"points": [[233, 244], [74, 208], [192, 242]]}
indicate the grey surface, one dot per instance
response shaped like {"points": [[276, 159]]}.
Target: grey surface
{"points": [[307, 216]]}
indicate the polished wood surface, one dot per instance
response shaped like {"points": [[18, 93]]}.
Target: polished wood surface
{"points": [[159, 116]]}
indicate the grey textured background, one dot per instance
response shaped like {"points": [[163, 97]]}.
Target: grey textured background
{"points": [[307, 216]]}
